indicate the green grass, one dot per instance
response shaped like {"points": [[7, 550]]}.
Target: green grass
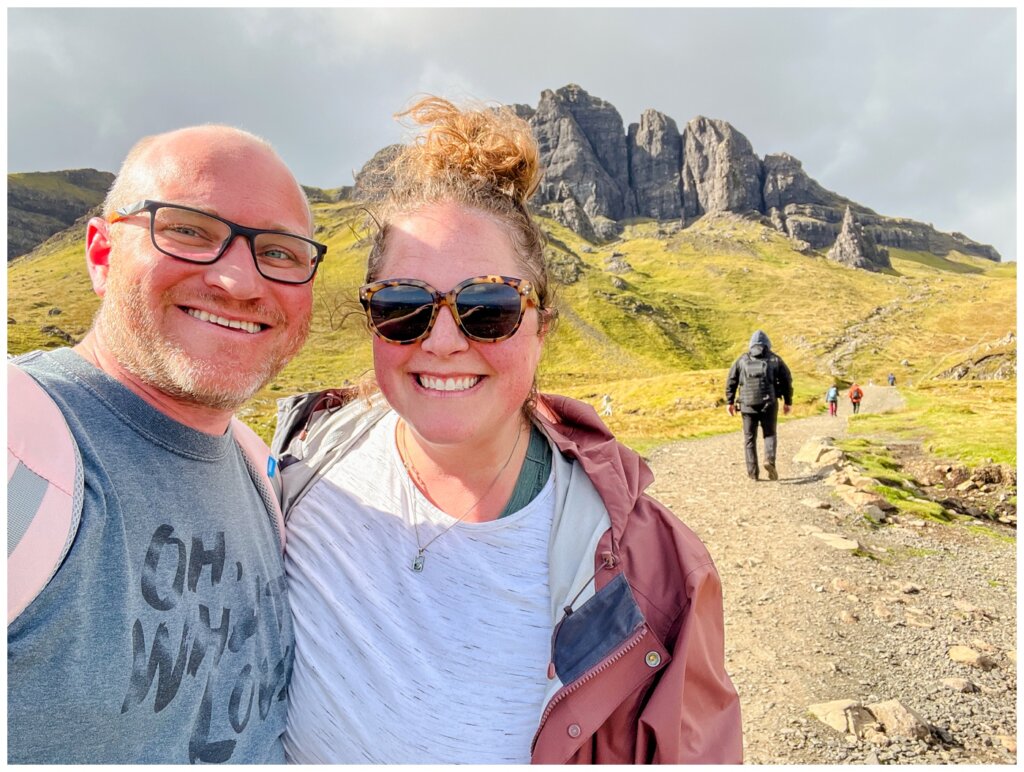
{"points": [[661, 347], [873, 458], [919, 552], [971, 421], [991, 533]]}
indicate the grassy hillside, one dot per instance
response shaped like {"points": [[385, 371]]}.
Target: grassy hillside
{"points": [[659, 334], [40, 204]]}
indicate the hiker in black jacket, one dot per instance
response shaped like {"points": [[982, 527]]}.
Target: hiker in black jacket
{"points": [[762, 378]]}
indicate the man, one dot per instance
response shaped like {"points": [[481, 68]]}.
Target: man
{"points": [[762, 379], [165, 635]]}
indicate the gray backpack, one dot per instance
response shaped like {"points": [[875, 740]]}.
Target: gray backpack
{"points": [[757, 381]]}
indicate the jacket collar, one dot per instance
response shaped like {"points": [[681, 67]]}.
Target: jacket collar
{"points": [[619, 474]]}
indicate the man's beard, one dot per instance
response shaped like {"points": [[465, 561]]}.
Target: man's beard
{"points": [[129, 330]]}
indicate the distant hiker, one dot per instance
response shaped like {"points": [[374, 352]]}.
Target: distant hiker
{"points": [[606, 405], [198, 313], [762, 378], [832, 398], [892, 379], [856, 395]]}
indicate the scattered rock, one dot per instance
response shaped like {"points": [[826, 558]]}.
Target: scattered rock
{"points": [[833, 713], [813, 450], [1009, 742], [910, 589], [837, 542], [874, 514], [815, 504], [968, 656], [900, 721], [882, 611], [960, 685]]}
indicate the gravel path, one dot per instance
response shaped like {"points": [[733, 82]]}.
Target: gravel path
{"points": [[807, 624]]}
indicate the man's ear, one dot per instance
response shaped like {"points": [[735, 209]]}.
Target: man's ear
{"points": [[97, 253]]}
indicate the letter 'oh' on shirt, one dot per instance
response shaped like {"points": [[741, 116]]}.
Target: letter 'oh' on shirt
{"points": [[444, 666]]}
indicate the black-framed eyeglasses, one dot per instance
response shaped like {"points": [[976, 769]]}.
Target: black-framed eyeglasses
{"points": [[487, 309], [199, 237]]}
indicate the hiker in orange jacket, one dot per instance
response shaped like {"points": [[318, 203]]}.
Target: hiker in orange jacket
{"points": [[856, 394]]}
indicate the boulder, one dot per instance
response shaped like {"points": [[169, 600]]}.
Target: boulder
{"points": [[968, 656], [900, 721], [959, 685], [812, 451], [833, 713]]}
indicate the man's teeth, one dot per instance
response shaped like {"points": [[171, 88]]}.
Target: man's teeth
{"points": [[234, 324], [448, 384]]}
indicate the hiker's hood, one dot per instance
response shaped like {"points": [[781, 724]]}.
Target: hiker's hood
{"points": [[759, 344]]}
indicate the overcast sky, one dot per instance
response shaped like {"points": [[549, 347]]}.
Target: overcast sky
{"points": [[909, 112]]}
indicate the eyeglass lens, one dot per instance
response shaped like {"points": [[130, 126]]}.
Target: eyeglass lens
{"points": [[199, 238], [485, 311]]}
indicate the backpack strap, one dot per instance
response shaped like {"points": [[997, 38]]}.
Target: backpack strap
{"points": [[258, 454], [45, 485]]}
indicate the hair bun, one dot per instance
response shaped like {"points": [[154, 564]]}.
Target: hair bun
{"points": [[493, 146]]}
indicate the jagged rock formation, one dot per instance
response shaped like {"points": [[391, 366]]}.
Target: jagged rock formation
{"points": [[40, 204], [720, 171], [373, 179], [856, 249], [596, 175], [655, 157], [594, 167], [582, 146]]}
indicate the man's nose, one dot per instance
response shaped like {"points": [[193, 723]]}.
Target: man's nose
{"points": [[235, 271], [445, 338]]}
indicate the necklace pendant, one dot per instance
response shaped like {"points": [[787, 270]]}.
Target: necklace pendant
{"points": [[417, 564]]}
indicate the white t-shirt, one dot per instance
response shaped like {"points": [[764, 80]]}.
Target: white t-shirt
{"points": [[391, 666]]}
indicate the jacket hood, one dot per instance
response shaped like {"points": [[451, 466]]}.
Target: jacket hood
{"points": [[760, 339], [620, 474]]}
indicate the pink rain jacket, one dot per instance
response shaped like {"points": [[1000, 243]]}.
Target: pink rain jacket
{"points": [[661, 694]]}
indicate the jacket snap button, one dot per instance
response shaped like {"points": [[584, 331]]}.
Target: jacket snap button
{"points": [[653, 659], [574, 730]]}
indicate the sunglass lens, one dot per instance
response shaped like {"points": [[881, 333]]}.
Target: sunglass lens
{"points": [[489, 311], [401, 313]]}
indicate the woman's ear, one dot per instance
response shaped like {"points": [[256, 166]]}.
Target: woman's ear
{"points": [[548, 316]]}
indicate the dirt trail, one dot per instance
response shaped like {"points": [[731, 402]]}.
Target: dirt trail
{"points": [[808, 624]]}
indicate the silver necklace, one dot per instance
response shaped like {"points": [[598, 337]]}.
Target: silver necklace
{"points": [[417, 563]]}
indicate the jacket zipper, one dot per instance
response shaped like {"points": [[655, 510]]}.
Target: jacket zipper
{"points": [[603, 665]]}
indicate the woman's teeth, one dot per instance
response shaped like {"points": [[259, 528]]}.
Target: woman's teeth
{"points": [[448, 384], [232, 323]]}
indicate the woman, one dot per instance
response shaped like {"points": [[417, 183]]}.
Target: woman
{"points": [[475, 573], [832, 398]]}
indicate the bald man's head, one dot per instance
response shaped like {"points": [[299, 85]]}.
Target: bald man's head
{"points": [[182, 152]]}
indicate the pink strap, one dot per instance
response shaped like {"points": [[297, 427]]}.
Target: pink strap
{"points": [[38, 438]]}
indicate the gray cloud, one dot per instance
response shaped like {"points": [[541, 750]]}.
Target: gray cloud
{"points": [[910, 112]]}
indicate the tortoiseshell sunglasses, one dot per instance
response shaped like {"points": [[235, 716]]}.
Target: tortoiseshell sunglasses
{"points": [[487, 309]]}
